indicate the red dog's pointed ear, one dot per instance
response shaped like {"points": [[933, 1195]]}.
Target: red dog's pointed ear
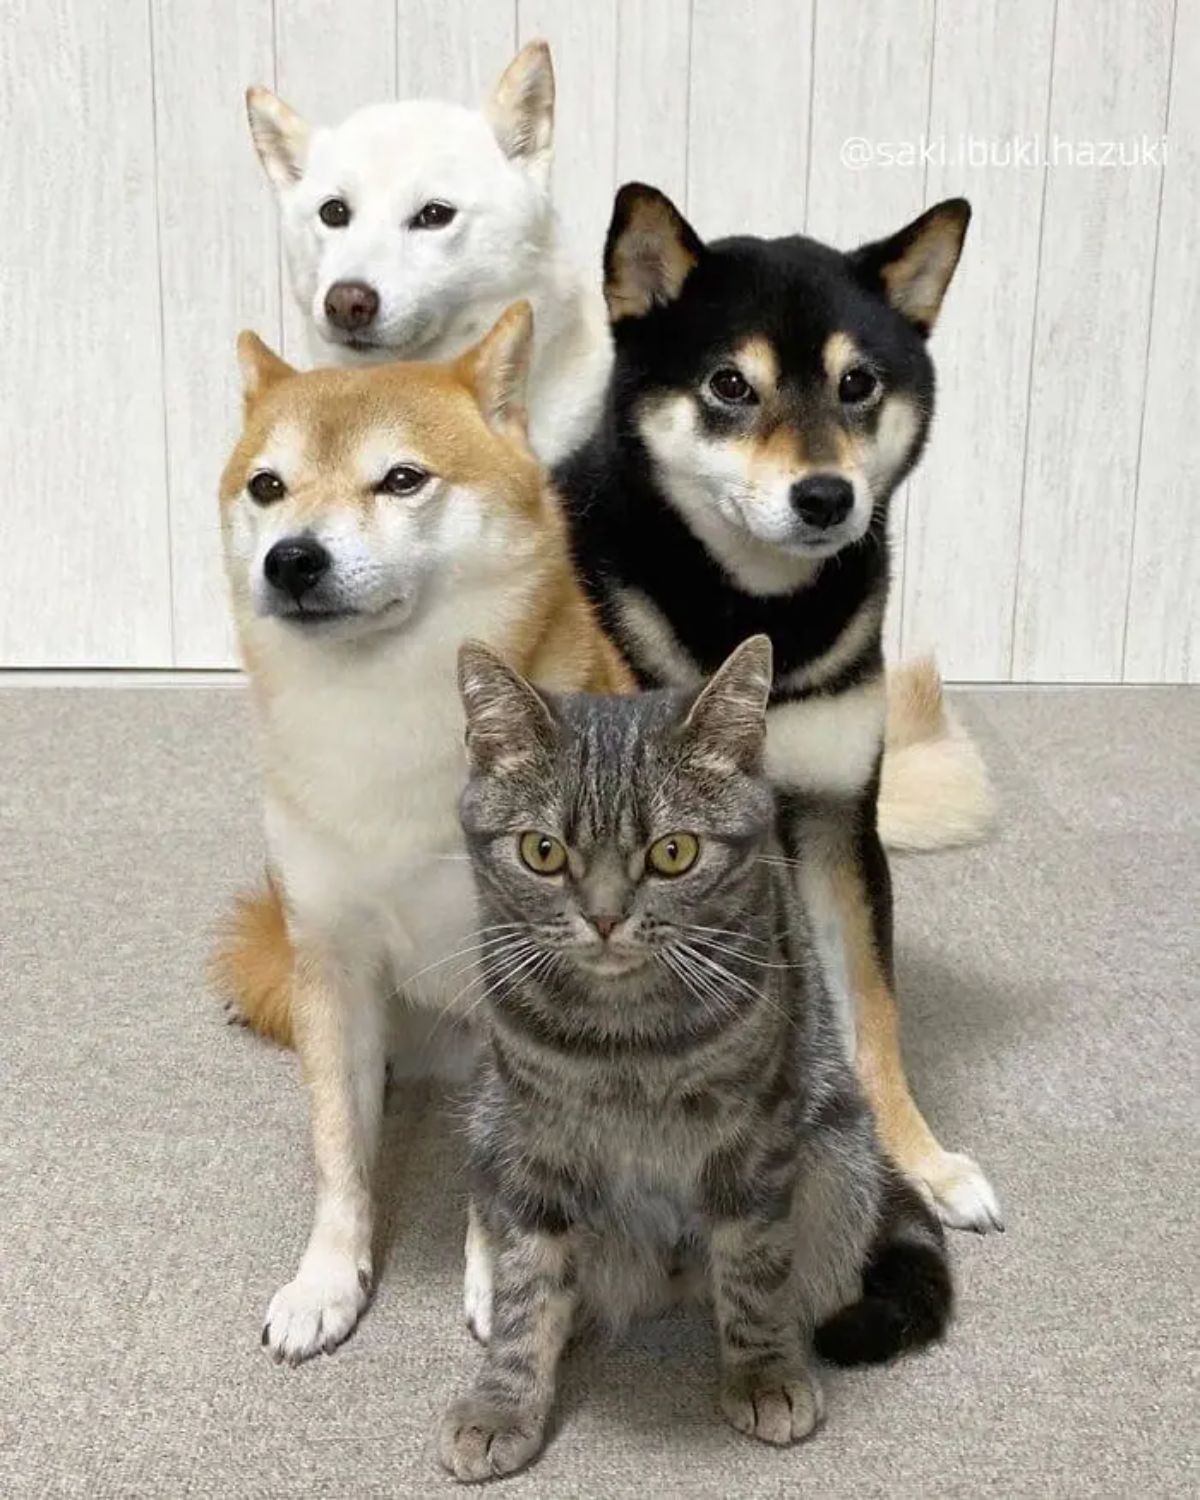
{"points": [[649, 252], [261, 367], [497, 370], [913, 268]]}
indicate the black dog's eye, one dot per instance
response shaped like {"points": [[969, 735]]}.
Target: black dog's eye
{"points": [[335, 212], [266, 487], [856, 386], [434, 215], [403, 479], [731, 386]]}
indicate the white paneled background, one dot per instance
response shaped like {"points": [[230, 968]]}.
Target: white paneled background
{"points": [[1053, 530]]}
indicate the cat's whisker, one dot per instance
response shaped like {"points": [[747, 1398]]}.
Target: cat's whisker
{"points": [[481, 936], [698, 980], [743, 986], [708, 945], [682, 973], [502, 948]]}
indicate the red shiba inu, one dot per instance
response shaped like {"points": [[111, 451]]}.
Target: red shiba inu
{"points": [[371, 519]]}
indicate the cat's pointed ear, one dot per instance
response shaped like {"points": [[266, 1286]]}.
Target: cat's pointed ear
{"points": [[727, 724], [649, 251], [912, 269], [508, 721], [280, 136], [497, 371], [521, 110]]}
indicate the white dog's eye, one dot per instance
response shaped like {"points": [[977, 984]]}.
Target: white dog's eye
{"points": [[434, 215], [334, 213], [402, 479]]}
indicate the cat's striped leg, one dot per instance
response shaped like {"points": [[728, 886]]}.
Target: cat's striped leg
{"points": [[500, 1424], [768, 1390]]}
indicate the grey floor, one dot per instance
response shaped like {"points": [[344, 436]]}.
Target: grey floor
{"points": [[154, 1186]]}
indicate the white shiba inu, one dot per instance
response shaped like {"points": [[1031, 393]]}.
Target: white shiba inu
{"points": [[411, 226]]}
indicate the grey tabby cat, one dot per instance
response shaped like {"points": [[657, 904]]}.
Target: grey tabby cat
{"points": [[663, 1094]]}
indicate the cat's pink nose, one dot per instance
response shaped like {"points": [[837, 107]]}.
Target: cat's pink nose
{"points": [[604, 925]]}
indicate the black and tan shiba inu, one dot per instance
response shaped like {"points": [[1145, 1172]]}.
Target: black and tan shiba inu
{"points": [[767, 398]]}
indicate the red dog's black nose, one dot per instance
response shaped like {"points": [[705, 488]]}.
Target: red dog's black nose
{"points": [[351, 305], [296, 565]]}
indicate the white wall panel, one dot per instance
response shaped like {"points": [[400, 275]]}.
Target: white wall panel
{"points": [[583, 39], [965, 498], [83, 510], [1099, 231], [748, 115], [220, 273], [1163, 636], [654, 46], [455, 50], [1053, 529]]}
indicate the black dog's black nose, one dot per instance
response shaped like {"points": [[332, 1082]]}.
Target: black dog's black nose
{"points": [[294, 566], [822, 500], [351, 304]]}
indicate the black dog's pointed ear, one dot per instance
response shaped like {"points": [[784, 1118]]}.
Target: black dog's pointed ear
{"points": [[912, 269], [649, 251]]}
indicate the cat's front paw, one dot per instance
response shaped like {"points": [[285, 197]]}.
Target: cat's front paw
{"points": [[317, 1310], [774, 1406], [962, 1195], [482, 1439]]}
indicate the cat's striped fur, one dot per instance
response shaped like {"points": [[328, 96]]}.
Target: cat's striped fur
{"points": [[663, 1095]]}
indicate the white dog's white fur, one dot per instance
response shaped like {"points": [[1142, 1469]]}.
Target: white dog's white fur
{"points": [[441, 288]]}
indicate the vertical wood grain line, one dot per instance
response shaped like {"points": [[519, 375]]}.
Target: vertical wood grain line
{"points": [[162, 335], [687, 115], [1137, 471], [1037, 287], [931, 58], [812, 94], [280, 257], [616, 94]]}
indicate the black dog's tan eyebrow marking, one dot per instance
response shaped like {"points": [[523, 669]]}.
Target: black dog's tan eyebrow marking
{"points": [[839, 353], [758, 362]]}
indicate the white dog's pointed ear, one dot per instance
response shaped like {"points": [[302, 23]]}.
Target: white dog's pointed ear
{"points": [[261, 367], [280, 136], [648, 253], [521, 109], [497, 370]]}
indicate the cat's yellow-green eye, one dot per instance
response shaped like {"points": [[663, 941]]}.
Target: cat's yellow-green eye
{"points": [[674, 854], [541, 853]]}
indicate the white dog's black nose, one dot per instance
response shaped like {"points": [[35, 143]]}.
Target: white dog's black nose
{"points": [[351, 305], [296, 565], [822, 500]]}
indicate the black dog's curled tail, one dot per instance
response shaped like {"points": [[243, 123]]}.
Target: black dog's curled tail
{"points": [[908, 1294]]}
